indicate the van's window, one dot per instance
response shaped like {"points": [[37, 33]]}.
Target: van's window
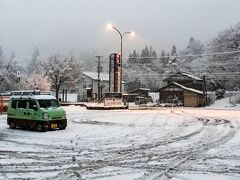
{"points": [[46, 103], [14, 104], [31, 104], [22, 104]]}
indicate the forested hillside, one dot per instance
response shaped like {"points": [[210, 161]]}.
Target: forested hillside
{"points": [[218, 60]]}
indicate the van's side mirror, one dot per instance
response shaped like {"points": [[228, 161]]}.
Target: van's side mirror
{"points": [[35, 108]]}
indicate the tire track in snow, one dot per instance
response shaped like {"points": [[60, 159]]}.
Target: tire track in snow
{"points": [[195, 151]]}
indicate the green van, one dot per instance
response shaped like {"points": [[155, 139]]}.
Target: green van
{"points": [[35, 111]]}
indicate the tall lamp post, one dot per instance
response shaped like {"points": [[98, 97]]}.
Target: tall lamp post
{"points": [[121, 39]]}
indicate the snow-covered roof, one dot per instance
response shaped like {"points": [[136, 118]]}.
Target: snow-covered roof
{"points": [[188, 89], [183, 87], [185, 74], [94, 75], [191, 76], [143, 89], [43, 97], [35, 97]]}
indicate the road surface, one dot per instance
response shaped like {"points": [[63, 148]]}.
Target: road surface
{"points": [[168, 143]]}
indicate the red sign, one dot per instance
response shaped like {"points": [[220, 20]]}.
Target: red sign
{"points": [[115, 72]]}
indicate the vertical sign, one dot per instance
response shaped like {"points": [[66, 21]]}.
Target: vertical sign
{"points": [[114, 72], [117, 82], [111, 72], [18, 76]]}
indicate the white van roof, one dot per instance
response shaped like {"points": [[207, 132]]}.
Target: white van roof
{"points": [[37, 97]]}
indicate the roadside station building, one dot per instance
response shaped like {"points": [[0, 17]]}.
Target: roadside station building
{"points": [[88, 86]]}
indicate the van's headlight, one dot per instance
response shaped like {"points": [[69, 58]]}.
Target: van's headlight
{"points": [[64, 114], [45, 115]]}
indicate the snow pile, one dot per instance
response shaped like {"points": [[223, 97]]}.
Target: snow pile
{"points": [[224, 104]]}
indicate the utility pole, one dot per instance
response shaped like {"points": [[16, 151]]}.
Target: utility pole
{"points": [[205, 90], [99, 68]]}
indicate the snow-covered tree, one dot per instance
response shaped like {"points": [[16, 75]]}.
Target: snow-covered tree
{"points": [[174, 51], [140, 69], [38, 81], [225, 67], [163, 57], [145, 54], [133, 57], [152, 52], [194, 47], [1, 57], [60, 70], [34, 61], [189, 60], [8, 73]]}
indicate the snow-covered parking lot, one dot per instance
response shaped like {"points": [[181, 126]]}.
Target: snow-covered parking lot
{"points": [[178, 143]]}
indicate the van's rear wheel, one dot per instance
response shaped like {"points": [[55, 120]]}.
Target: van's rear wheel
{"points": [[40, 128], [12, 125]]}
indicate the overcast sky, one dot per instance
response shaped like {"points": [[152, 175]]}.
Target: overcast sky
{"points": [[63, 26]]}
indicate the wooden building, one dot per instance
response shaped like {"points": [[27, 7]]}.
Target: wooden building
{"points": [[88, 86], [141, 92], [183, 89], [186, 79], [178, 94]]}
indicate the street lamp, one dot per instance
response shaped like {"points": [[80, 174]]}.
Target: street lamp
{"points": [[109, 26]]}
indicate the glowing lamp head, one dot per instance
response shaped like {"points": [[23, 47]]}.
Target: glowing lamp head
{"points": [[109, 26]]}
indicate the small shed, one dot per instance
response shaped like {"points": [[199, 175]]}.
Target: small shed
{"points": [[141, 92], [175, 92]]}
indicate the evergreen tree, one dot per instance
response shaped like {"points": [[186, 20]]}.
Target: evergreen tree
{"points": [[32, 67], [133, 57], [163, 58], [168, 57], [163, 54], [12, 56], [145, 54], [226, 64], [194, 47], [174, 51], [1, 57], [192, 63], [1, 52], [152, 52]]}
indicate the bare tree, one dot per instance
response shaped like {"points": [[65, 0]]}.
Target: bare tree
{"points": [[8, 71], [38, 81], [61, 69]]}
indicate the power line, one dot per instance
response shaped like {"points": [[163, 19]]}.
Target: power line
{"points": [[190, 55]]}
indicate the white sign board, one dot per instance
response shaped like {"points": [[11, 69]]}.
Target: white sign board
{"points": [[18, 74]]}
